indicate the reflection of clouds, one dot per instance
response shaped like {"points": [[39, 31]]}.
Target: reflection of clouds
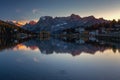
{"points": [[110, 52], [25, 48], [21, 47]]}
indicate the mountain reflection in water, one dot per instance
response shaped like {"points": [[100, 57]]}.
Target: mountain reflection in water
{"points": [[71, 46]]}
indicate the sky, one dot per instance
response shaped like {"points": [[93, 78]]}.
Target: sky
{"points": [[26, 10]]}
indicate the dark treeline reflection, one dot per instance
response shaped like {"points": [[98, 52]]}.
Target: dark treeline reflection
{"points": [[73, 46], [9, 42]]}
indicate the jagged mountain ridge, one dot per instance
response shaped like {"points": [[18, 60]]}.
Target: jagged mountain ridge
{"points": [[51, 24]]}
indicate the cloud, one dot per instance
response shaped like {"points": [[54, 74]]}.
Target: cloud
{"points": [[35, 11], [21, 22]]}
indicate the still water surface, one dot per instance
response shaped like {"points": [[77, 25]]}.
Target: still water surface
{"points": [[59, 60]]}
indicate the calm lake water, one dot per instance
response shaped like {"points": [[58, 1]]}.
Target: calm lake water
{"points": [[59, 60]]}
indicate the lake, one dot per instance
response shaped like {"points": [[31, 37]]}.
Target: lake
{"points": [[56, 59]]}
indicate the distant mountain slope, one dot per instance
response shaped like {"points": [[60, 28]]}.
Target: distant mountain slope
{"points": [[15, 23], [11, 29]]}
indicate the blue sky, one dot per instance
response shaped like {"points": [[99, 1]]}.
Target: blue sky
{"points": [[32, 9]]}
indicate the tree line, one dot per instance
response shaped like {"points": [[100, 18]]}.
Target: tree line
{"points": [[7, 29]]}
